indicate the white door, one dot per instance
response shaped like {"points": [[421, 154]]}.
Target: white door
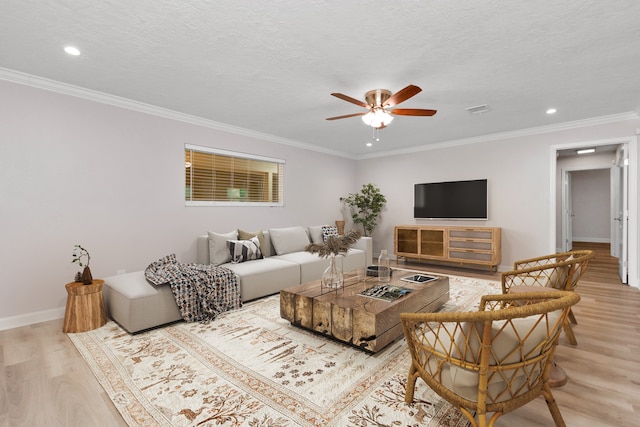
{"points": [[616, 235], [621, 220], [567, 212]]}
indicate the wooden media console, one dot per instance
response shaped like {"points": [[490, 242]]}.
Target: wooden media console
{"points": [[459, 244]]}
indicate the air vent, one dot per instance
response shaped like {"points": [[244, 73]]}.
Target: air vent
{"points": [[478, 109]]}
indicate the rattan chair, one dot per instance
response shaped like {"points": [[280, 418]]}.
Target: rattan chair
{"points": [[493, 360], [559, 271]]}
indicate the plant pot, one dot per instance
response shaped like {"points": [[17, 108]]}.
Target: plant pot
{"points": [[340, 227], [86, 276]]}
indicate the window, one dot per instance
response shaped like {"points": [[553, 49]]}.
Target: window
{"points": [[224, 178]]}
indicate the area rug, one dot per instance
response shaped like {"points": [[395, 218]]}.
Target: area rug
{"points": [[251, 368]]}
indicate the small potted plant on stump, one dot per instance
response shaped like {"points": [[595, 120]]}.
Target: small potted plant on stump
{"points": [[79, 253]]}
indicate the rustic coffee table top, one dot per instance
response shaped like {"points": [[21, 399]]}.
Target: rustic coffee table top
{"points": [[365, 322]]}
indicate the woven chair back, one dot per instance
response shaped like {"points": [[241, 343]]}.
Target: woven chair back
{"points": [[558, 271], [492, 360]]}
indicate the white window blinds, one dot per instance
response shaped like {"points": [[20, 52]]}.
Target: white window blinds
{"points": [[218, 177]]}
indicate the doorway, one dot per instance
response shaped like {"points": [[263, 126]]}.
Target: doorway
{"points": [[622, 240], [586, 206]]}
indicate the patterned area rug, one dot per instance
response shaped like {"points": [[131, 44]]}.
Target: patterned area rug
{"points": [[251, 368]]}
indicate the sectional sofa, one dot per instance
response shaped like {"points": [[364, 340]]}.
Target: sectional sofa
{"points": [[282, 262]]}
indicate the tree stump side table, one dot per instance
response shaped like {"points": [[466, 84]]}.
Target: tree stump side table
{"points": [[85, 307]]}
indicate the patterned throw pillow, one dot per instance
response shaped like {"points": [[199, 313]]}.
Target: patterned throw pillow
{"points": [[329, 230], [246, 235], [244, 250]]}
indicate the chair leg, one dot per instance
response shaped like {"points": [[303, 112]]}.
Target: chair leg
{"points": [[553, 406], [472, 418], [572, 317], [568, 330], [411, 384]]}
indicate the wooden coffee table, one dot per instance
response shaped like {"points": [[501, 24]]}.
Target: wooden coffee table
{"points": [[365, 322]]}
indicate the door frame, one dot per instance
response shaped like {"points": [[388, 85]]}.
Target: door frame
{"points": [[632, 141], [567, 211]]}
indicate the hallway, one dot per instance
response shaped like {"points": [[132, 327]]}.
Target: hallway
{"points": [[603, 267]]}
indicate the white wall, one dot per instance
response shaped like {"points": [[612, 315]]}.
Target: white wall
{"points": [[74, 171], [591, 205], [518, 171]]}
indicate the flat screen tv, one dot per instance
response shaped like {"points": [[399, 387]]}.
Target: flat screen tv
{"points": [[451, 200]]}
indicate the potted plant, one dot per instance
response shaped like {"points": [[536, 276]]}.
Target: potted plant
{"points": [[78, 254], [366, 206]]}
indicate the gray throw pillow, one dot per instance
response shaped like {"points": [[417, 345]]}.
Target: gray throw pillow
{"points": [[287, 240], [218, 249]]}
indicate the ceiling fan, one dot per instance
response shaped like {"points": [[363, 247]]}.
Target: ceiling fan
{"points": [[378, 103]]}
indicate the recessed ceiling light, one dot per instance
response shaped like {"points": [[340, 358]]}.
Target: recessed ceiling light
{"points": [[586, 151], [369, 144], [72, 50], [551, 111], [478, 109]]}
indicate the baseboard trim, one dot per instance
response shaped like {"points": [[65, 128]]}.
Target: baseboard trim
{"points": [[31, 318], [592, 239]]}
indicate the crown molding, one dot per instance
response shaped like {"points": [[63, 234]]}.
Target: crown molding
{"points": [[117, 101], [512, 134]]}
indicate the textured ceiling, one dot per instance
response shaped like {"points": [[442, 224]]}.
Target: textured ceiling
{"points": [[270, 66]]}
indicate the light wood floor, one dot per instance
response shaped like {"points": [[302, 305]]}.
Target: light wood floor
{"points": [[45, 382]]}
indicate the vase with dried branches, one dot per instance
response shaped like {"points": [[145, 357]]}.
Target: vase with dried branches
{"points": [[79, 253], [333, 246]]}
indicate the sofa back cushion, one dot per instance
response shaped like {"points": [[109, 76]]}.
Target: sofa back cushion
{"points": [[315, 233], [290, 239]]}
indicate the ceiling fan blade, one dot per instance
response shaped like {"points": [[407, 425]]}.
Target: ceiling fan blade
{"points": [[402, 96], [413, 112], [350, 99], [347, 116]]}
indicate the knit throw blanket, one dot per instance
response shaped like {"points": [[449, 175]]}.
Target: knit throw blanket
{"points": [[202, 292]]}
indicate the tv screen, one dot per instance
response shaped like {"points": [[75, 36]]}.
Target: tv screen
{"points": [[451, 200]]}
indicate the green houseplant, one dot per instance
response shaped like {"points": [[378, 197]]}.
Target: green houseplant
{"points": [[366, 207]]}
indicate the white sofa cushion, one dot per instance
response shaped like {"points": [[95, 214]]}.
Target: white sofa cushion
{"points": [[137, 305], [218, 248], [264, 276], [312, 266], [315, 233], [290, 239]]}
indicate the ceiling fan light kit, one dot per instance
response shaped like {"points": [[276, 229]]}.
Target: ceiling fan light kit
{"points": [[377, 118], [378, 101]]}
